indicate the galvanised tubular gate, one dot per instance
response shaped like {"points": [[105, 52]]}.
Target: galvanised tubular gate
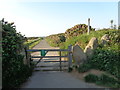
{"points": [[44, 51]]}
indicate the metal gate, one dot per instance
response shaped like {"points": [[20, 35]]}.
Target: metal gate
{"points": [[43, 53]]}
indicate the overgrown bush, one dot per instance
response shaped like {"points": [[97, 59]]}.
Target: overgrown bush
{"points": [[107, 61], [14, 72], [103, 80], [91, 78], [84, 68], [77, 30], [56, 39]]}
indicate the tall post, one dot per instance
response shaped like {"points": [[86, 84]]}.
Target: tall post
{"points": [[69, 56], [88, 26]]}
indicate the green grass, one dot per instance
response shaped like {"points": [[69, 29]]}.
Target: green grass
{"points": [[83, 39], [32, 43], [52, 42], [56, 39]]}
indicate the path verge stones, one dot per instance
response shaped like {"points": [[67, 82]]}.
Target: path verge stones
{"points": [[105, 39], [92, 45], [78, 55]]}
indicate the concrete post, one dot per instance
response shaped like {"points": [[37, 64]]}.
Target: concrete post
{"points": [[88, 26]]}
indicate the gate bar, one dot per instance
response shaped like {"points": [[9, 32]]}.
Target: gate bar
{"points": [[46, 56], [35, 50]]}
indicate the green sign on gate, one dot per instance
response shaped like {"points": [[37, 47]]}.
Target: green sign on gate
{"points": [[43, 52]]}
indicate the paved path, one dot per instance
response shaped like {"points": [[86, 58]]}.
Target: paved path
{"points": [[44, 45], [53, 79]]}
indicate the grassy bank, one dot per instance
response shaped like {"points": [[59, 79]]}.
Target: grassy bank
{"points": [[105, 58], [32, 42], [56, 39]]}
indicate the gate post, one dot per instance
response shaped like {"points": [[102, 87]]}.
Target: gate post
{"points": [[60, 62], [27, 55], [69, 56]]}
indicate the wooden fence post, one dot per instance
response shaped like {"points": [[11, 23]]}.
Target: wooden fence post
{"points": [[69, 56]]}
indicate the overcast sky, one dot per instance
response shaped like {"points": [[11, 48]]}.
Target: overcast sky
{"points": [[36, 18]]}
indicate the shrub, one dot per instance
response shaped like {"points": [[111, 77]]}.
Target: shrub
{"points": [[77, 30], [14, 72], [56, 39], [84, 67], [106, 60], [103, 80], [108, 81], [91, 78]]}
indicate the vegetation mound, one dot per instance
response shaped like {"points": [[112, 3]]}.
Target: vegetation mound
{"points": [[56, 39], [105, 57], [77, 30]]}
